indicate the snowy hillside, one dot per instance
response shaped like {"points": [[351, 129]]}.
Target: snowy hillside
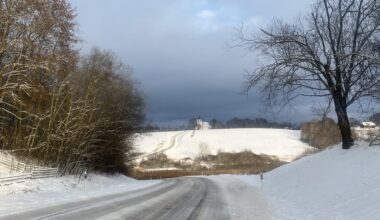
{"points": [[284, 144], [334, 184]]}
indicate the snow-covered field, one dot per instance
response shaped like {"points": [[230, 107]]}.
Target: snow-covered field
{"points": [[49, 191], [335, 184], [284, 144]]}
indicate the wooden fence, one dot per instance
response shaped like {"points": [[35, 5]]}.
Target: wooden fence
{"points": [[14, 179], [24, 171]]}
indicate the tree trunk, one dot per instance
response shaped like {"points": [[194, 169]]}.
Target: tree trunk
{"points": [[343, 123]]}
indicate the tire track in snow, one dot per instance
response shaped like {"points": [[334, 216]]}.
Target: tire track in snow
{"points": [[158, 150]]}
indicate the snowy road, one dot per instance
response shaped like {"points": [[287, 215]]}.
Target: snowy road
{"points": [[182, 198]]}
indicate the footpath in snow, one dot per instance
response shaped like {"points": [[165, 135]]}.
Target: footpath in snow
{"points": [[335, 184]]}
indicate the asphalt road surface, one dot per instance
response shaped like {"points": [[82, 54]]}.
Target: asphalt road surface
{"points": [[177, 199]]}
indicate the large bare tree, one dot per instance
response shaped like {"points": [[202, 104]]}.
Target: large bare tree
{"points": [[330, 52]]}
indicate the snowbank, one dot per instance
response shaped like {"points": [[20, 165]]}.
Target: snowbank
{"points": [[51, 191], [334, 184], [4, 171], [243, 201], [284, 144]]}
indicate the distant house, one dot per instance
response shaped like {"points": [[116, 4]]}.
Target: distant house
{"points": [[202, 125], [205, 126], [367, 124], [186, 161]]}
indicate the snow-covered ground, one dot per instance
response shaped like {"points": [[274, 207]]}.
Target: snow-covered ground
{"points": [[4, 171], [284, 144], [335, 184], [52, 191], [243, 201]]}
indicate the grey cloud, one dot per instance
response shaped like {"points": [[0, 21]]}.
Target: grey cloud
{"points": [[183, 64]]}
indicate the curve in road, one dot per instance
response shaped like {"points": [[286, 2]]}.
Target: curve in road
{"points": [[181, 198]]}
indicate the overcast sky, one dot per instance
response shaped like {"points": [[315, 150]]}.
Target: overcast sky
{"points": [[178, 50]]}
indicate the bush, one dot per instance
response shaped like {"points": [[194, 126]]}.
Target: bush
{"points": [[321, 134], [160, 160]]}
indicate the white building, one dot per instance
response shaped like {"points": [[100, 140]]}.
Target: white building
{"points": [[202, 125], [367, 124]]}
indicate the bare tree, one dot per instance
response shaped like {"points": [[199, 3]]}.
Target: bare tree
{"points": [[56, 107], [36, 50], [111, 108], [321, 110], [330, 52]]}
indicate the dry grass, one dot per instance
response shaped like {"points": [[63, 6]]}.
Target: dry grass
{"points": [[162, 174], [321, 134], [244, 162]]}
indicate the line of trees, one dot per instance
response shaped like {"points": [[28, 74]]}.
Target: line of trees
{"points": [[66, 110], [242, 123]]}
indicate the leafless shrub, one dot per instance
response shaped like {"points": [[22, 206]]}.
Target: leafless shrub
{"points": [[375, 140], [157, 161], [321, 134], [204, 150]]}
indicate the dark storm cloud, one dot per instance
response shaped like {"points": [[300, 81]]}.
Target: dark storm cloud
{"points": [[179, 54]]}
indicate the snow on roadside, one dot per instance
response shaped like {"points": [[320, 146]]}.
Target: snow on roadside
{"points": [[52, 191], [4, 171], [334, 184], [243, 201]]}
